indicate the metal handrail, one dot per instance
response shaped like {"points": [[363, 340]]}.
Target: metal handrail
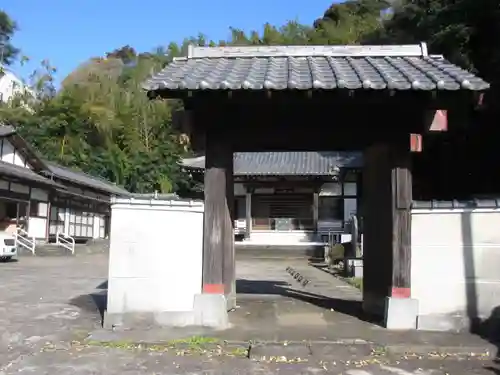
{"points": [[22, 238], [65, 241]]}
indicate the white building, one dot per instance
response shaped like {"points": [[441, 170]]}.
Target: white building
{"points": [[39, 199], [10, 85], [292, 197]]}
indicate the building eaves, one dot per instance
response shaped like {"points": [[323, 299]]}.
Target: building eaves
{"points": [[406, 67], [82, 178], [25, 174], [49, 168], [286, 163]]}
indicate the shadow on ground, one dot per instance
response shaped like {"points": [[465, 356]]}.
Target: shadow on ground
{"points": [[95, 302], [270, 287], [9, 260]]}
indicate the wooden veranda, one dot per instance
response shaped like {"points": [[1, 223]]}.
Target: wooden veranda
{"points": [[378, 99]]}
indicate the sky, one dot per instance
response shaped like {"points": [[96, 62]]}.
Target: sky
{"points": [[69, 32]]}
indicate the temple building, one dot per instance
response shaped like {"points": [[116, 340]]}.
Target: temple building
{"points": [[291, 197]]}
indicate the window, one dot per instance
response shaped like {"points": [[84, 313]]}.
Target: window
{"points": [[81, 224], [240, 207], [38, 209], [11, 210], [56, 220], [330, 208]]}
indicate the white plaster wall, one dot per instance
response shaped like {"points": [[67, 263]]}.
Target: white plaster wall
{"points": [[37, 227], [155, 260], [455, 262], [102, 228], [97, 225], [66, 221], [11, 155]]}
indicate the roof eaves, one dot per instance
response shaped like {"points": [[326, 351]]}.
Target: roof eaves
{"points": [[85, 180], [25, 174]]}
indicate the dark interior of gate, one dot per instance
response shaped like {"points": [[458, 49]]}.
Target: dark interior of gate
{"points": [[379, 100]]}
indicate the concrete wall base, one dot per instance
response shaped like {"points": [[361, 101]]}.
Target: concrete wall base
{"points": [[209, 310], [401, 313], [443, 322]]}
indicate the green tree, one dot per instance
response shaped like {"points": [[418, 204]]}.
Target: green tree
{"points": [[350, 22], [8, 53], [101, 121]]}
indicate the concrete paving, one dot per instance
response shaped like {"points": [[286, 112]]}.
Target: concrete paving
{"points": [[48, 307]]}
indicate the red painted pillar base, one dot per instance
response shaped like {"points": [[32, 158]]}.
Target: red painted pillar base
{"points": [[400, 292], [213, 289]]}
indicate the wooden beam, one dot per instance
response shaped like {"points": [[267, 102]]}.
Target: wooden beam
{"points": [[401, 227]]}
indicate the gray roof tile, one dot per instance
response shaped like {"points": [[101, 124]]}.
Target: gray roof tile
{"points": [[25, 174], [78, 177], [304, 68], [286, 163]]}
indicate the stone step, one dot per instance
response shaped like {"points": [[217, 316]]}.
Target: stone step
{"points": [[279, 251], [45, 250], [91, 247]]}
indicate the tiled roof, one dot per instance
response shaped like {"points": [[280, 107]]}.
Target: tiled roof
{"points": [[313, 67], [78, 177], [50, 168], [6, 130], [286, 163], [24, 174]]}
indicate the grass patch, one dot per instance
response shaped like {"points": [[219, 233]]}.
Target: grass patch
{"points": [[188, 346], [195, 340], [356, 282]]}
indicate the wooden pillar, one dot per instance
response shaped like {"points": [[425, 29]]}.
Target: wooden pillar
{"points": [[27, 216], [248, 213], [49, 215], [229, 265], [377, 229], [17, 214], [218, 240], [315, 210], [387, 198], [401, 181]]}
